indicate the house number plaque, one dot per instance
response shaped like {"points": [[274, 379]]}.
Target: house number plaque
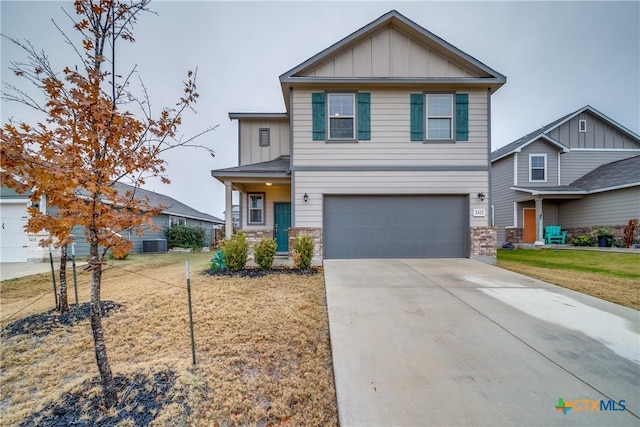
{"points": [[479, 212]]}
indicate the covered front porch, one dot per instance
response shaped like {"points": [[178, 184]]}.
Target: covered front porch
{"points": [[264, 198], [538, 208]]}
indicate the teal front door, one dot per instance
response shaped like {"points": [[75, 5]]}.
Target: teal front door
{"points": [[281, 226]]}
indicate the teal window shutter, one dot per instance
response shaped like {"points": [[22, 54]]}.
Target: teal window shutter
{"points": [[318, 113], [364, 116], [417, 117], [462, 117]]}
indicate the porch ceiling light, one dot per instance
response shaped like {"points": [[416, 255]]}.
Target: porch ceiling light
{"points": [[305, 197], [481, 196], [269, 184]]}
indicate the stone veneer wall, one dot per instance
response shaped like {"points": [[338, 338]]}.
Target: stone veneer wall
{"points": [[618, 232], [483, 242], [254, 236], [514, 235], [316, 234]]}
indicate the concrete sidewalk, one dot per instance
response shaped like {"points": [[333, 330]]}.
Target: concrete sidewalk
{"points": [[459, 342]]}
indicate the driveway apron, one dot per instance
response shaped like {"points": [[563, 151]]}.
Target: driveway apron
{"points": [[420, 342]]}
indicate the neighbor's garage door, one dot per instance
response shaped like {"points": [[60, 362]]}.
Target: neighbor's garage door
{"points": [[13, 238], [395, 227]]}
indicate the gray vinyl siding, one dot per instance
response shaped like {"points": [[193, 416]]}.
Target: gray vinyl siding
{"points": [[161, 221], [502, 196], [607, 208], [538, 147], [391, 53], [576, 164], [318, 183], [250, 149], [390, 143], [598, 135]]}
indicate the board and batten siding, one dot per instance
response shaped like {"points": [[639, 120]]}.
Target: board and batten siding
{"points": [[318, 183], [598, 134], [390, 143], [538, 147], [272, 194], [250, 149], [576, 164], [606, 208], [502, 197], [391, 53]]}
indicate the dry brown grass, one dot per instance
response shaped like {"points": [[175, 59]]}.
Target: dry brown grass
{"points": [[618, 290], [262, 345]]}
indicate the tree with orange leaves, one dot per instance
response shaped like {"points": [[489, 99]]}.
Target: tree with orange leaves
{"points": [[87, 144]]}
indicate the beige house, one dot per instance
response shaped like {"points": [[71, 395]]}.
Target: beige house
{"points": [[383, 151]]}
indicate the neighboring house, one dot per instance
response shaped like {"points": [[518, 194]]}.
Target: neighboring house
{"points": [[20, 246], [382, 152], [581, 171], [235, 215]]}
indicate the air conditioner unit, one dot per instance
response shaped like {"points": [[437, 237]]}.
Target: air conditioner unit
{"points": [[154, 246]]}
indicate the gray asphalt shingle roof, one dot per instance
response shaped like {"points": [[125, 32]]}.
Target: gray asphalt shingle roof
{"points": [[171, 206], [278, 166], [610, 175]]}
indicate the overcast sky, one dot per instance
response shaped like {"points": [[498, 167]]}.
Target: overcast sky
{"points": [[557, 56]]}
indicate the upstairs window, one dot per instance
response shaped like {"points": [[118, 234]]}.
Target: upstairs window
{"points": [[342, 115], [538, 167], [264, 138], [256, 208], [582, 126], [439, 116]]}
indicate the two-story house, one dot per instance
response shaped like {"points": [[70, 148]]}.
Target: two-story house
{"points": [[383, 151], [580, 172]]}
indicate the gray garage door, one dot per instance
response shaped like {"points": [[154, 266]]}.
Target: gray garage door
{"points": [[395, 227]]}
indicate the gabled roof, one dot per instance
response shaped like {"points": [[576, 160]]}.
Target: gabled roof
{"points": [[279, 167], [488, 77], [517, 145], [611, 176], [171, 206]]}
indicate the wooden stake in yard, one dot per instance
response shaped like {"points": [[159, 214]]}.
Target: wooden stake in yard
{"points": [[193, 340], [53, 277]]}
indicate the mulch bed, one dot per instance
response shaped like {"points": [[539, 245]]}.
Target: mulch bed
{"points": [[256, 272], [140, 401], [41, 324]]}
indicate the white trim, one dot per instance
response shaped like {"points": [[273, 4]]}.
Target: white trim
{"points": [[618, 187], [515, 214], [13, 201], [538, 192], [582, 126], [632, 150], [559, 183], [352, 116], [546, 170], [450, 117], [515, 169]]}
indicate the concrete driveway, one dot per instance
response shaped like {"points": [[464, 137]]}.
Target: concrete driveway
{"points": [[458, 342]]}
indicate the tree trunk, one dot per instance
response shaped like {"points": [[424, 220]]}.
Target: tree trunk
{"points": [[109, 391], [63, 303]]}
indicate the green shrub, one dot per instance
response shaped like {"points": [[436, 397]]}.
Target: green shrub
{"points": [[235, 252], [583, 240], [303, 251], [263, 252], [183, 236]]}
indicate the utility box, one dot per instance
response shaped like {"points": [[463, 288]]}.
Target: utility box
{"points": [[154, 246]]}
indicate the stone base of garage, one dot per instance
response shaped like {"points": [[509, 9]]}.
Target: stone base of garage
{"points": [[316, 235], [483, 242]]}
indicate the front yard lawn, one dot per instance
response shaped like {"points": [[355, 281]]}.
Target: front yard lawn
{"points": [[611, 276], [262, 347]]}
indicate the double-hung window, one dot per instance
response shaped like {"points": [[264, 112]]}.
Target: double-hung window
{"points": [[342, 116], [538, 167], [176, 220], [256, 208], [439, 116]]}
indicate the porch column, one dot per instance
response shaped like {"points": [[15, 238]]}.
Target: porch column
{"points": [[228, 214], [539, 222]]}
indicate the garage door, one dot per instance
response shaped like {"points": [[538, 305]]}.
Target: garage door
{"points": [[13, 239], [395, 227]]}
